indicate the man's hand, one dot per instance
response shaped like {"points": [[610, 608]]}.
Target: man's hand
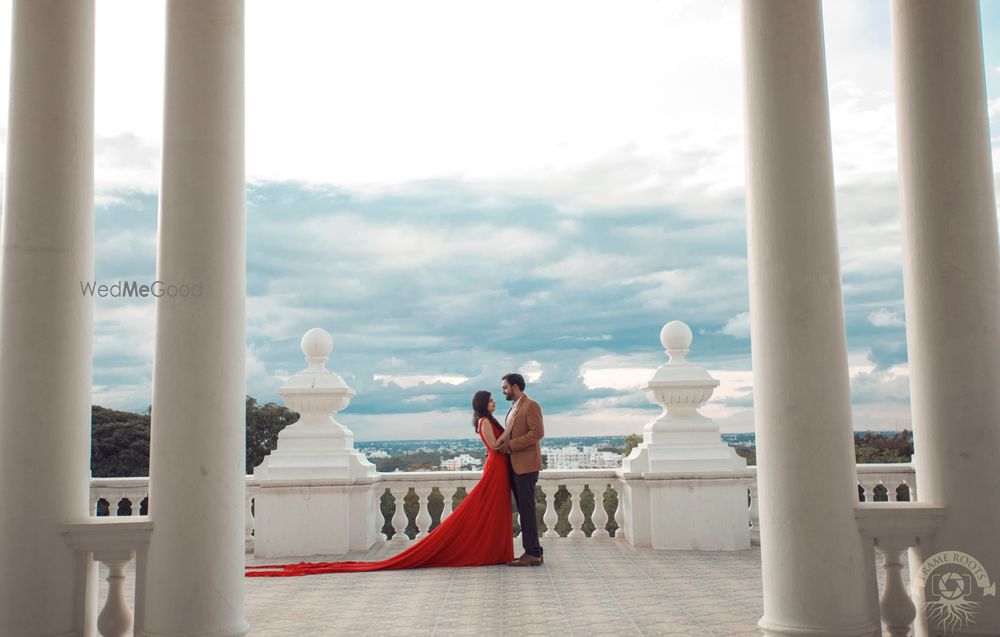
{"points": [[503, 445]]}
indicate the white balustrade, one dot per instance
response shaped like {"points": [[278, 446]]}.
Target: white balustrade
{"points": [[891, 476], [898, 610], [576, 517], [114, 490], [619, 515], [600, 514], [114, 542], [754, 512], [252, 490], [399, 519], [448, 493], [891, 528], [423, 520], [551, 516], [116, 619]]}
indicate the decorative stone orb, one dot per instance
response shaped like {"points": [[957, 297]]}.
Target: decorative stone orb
{"points": [[676, 336], [317, 343]]}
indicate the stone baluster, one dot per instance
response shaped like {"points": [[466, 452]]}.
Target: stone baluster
{"points": [[863, 495], [619, 515], [600, 515], [448, 493], [754, 514], [898, 610], [551, 516], [116, 618], [423, 512], [248, 523], [399, 519], [576, 517]]}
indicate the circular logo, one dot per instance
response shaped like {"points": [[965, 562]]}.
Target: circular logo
{"points": [[955, 586]]}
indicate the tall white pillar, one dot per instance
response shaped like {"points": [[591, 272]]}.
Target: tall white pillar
{"points": [[951, 277], [197, 482], [818, 575], [45, 319]]}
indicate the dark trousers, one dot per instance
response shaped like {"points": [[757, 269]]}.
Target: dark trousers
{"points": [[523, 487]]}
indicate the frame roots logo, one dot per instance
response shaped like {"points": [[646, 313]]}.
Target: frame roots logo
{"points": [[955, 586]]}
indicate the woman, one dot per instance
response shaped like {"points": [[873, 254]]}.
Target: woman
{"points": [[477, 533]]}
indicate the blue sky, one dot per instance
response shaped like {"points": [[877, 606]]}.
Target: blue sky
{"points": [[457, 191]]}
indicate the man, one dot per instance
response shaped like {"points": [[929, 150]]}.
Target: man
{"points": [[524, 430]]}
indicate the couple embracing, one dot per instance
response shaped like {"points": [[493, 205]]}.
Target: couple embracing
{"points": [[479, 530], [520, 442]]}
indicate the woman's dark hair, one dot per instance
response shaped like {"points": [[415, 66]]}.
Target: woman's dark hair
{"points": [[481, 409], [514, 379]]}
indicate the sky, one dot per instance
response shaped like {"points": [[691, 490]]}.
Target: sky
{"points": [[457, 190]]}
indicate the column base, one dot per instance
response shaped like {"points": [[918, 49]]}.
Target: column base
{"points": [[240, 631], [776, 629]]}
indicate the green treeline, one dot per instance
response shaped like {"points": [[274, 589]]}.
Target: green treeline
{"points": [[120, 444], [120, 439]]}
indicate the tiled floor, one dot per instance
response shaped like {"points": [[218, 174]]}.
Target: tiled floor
{"points": [[585, 588]]}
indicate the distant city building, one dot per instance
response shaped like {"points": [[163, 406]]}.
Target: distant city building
{"points": [[375, 453], [587, 457], [461, 462]]}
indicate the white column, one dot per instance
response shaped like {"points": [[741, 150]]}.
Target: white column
{"points": [[951, 277], [197, 483], [46, 251], [814, 565]]}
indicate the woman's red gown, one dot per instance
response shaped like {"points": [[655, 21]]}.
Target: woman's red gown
{"points": [[477, 533]]}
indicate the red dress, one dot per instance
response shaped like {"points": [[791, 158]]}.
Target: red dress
{"points": [[478, 533]]}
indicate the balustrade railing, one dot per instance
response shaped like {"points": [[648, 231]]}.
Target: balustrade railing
{"points": [[579, 504], [430, 496]]}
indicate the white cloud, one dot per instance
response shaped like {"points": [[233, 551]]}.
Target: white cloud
{"points": [[883, 317], [738, 326], [532, 371], [406, 381], [617, 378]]}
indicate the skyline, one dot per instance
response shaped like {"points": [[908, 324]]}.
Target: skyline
{"points": [[455, 192]]}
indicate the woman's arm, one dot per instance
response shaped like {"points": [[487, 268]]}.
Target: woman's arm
{"points": [[487, 432]]}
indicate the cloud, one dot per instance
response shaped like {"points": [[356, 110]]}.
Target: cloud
{"points": [[885, 356], [738, 326], [883, 317], [453, 217]]}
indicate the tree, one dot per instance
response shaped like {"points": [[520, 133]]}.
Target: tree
{"points": [[119, 443], [875, 447], [631, 442], [264, 423]]}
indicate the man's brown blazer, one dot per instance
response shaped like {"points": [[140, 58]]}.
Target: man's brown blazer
{"points": [[526, 430]]}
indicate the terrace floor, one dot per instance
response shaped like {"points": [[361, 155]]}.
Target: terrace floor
{"points": [[585, 587]]}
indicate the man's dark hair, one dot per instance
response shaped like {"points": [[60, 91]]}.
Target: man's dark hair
{"points": [[514, 379]]}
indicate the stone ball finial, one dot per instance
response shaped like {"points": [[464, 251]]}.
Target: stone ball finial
{"points": [[676, 338], [317, 345]]}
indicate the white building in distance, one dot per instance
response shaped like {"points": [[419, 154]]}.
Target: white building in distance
{"points": [[588, 457], [461, 462]]}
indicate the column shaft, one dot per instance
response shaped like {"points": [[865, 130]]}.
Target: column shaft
{"points": [[818, 575], [46, 250], [197, 478], [951, 276]]}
